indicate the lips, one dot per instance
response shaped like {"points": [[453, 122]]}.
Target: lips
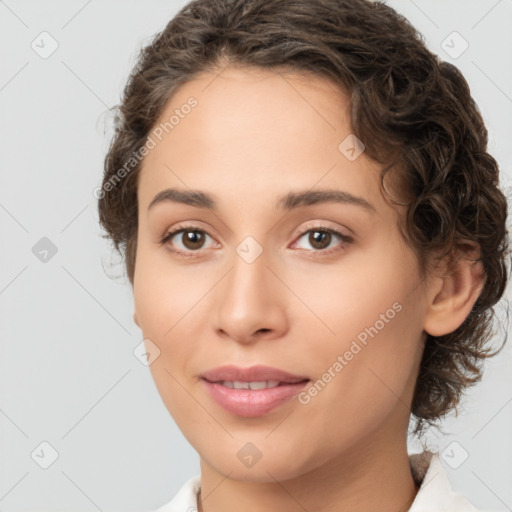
{"points": [[257, 373], [251, 392]]}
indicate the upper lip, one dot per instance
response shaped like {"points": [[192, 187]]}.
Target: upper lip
{"points": [[256, 373]]}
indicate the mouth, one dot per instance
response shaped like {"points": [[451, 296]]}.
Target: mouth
{"points": [[253, 385], [251, 392], [255, 374]]}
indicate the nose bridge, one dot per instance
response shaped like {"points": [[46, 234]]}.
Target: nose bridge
{"points": [[249, 277], [247, 301]]}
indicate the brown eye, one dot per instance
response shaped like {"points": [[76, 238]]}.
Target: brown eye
{"points": [[185, 240], [192, 239], [323, 240], [319, 239]]}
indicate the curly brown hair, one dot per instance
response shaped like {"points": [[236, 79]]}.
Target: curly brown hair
{"points": [[413, 111]]}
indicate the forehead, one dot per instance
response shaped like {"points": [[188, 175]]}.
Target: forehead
{"points": [[255, 131]]}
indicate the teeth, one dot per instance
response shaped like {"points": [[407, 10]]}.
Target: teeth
{"points": [[251, 385]]}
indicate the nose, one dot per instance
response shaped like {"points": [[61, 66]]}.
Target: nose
{"points": [[250, 302]]}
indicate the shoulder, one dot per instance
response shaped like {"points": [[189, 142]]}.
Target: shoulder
{"points": [[435, 493], [185, 499]]}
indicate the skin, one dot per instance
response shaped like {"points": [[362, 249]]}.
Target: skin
{"points": [[254, 136]]}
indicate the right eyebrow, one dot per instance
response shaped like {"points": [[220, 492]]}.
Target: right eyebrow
{"points": [[191, 197]]}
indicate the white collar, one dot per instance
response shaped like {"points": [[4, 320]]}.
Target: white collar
{"points": [[435, 493]]}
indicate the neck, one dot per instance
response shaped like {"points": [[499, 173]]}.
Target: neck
{"points": [[366, 479]]}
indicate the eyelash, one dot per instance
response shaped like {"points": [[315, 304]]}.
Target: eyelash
{"points": [[323, 229]]}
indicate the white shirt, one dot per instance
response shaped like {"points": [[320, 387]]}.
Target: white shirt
{"points": [[435, 493]]}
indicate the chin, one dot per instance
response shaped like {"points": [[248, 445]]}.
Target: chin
{"points": [[267, 466]]}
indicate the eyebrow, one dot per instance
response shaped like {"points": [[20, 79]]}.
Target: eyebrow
{"points": [[290, 201]]}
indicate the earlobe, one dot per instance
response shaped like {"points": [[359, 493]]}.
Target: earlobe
{"points": [[454, 297], [135, 319]]}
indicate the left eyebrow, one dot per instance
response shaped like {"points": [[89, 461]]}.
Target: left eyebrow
{"points": [[290, 201], [294, 200]]}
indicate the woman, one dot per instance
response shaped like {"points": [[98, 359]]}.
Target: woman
{"points": [[315, 237]]}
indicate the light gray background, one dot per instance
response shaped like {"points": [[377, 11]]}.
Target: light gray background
{"points": [[68, 375]]}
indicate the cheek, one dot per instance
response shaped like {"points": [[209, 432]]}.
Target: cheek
{"points": [[165, 294], [168, 300], [344, 298], [368, 365], [359, 387]]}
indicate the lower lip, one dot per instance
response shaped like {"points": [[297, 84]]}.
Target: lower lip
{"points": [[250, 403]]}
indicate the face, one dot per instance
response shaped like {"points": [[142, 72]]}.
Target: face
{"points": [[325, 290]]}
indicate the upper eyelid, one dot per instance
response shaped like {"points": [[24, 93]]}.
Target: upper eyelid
{"points": [[312, 225], [324, 225]]}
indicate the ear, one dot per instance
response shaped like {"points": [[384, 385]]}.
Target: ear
{"points": [[454, 292], [135, 319]]}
